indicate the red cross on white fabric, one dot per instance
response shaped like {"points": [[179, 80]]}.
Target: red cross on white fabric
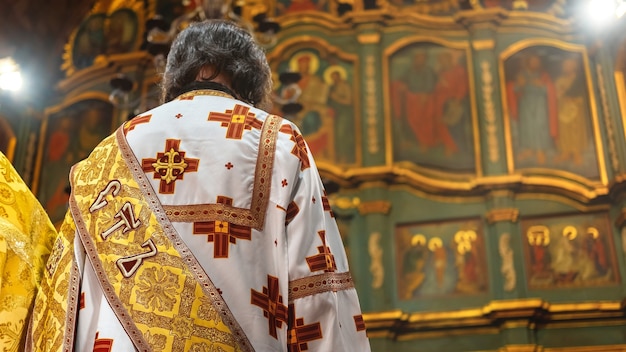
{"points": [[222, 233], [299, 150], [130, 125], [236, 121], [324, 260], [359, 322], [299, 334], [271, 301], [326, 205], [170, 166], [102, 345]]}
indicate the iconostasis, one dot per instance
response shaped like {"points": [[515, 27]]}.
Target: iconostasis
{"points": [[474, 154]]}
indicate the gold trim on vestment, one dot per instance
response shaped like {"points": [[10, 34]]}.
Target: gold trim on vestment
{"points": [[312, 285], [209, 92]]}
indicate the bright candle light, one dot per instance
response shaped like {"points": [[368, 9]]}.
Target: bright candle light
{"points": [[601, 11], [10, 76]]}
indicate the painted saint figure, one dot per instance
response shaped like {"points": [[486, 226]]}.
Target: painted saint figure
{"points": [[412, 100], [340, 101], [532, 103], [573, 138]]}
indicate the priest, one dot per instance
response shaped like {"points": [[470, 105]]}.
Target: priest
{"points": [[200, 225]]}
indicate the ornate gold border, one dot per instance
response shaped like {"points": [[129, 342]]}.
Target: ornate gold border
{"points": [[312, 285], [570, 178], [287, 47], [464, 45], [68, 102], [10, 152]]}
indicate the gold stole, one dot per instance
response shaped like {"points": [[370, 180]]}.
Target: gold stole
{"points": [[158, 290]]}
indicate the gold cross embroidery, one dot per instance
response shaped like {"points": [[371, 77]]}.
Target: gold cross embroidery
{"points": [[170, 166]]}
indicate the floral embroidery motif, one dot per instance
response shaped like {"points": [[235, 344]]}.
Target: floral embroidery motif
{"points": [[157, 289], [10, 332], [6, 194], [156, 340]]}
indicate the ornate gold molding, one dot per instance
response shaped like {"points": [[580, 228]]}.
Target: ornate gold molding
{"points": [[492, 318], [521, 348], [483, 44], [502, 214], [368, 38], [377, 206]]}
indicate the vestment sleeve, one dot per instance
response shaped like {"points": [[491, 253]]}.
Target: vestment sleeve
{"points": [[324, 310]]}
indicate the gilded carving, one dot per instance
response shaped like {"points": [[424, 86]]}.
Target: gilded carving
{"points": [[111, 28], [377, 206], [490, 113], [376, 257], [371, 110], [502, 214], [507, 268]]}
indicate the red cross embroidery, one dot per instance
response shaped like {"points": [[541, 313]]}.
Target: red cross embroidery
{"points": [[222, 233], [292, 211], [326, 205], [324, 260], [102, 345], [271, 302], [299, 150], [229, 165], [298, 334], [284, 182], [179, 115], [236, 120], [170, 166], [359, 322], [130, 125]]}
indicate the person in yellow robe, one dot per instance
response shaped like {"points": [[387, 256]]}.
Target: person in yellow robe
{"points": [[26, 236]]}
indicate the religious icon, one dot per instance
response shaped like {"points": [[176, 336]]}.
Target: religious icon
{"points": [[440, 259], [548, 109], [121, 31], [89, 41], [431, 114], [70, 136], [569, 251], [315, 91]]}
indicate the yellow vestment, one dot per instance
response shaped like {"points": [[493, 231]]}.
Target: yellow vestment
{"points": [[26, 235]]}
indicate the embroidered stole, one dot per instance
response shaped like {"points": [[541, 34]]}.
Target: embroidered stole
{"points": [[158, 290]]}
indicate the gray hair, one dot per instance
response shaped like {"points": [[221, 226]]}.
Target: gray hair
{"points": [[229, 50]]}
